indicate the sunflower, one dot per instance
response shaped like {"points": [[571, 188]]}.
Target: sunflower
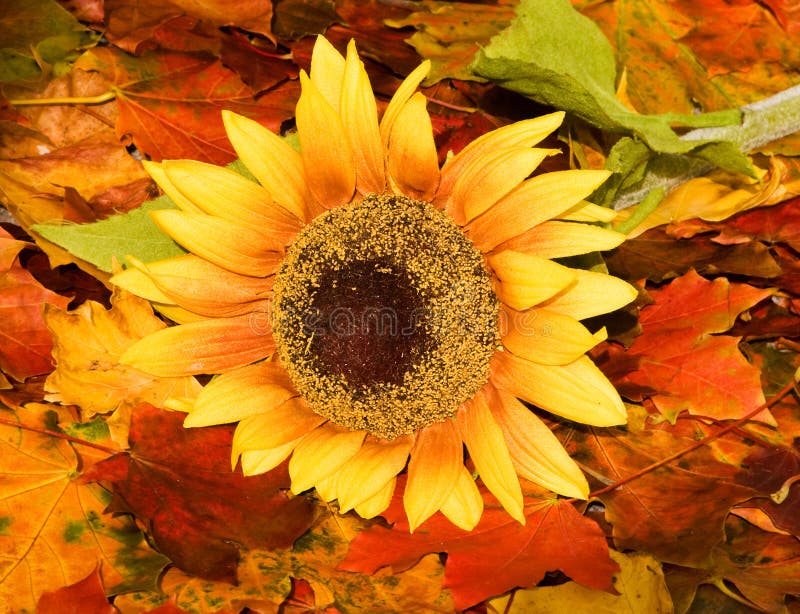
{"points": [[366, 312]]}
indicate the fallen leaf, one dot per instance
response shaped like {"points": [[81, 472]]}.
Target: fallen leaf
{"points": [[497, 555], [54, 532], [88, 342], [26, 344], [685, 362], [640, 586], [83, 597], [200, 514]]}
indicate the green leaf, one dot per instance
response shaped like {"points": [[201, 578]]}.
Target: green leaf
{"points": [[556, 56], [133, 233]]}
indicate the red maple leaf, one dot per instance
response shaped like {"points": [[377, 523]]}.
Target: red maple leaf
{"points": [[497, 555], [178, 482]]}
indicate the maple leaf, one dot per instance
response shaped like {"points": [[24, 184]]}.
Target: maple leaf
{"points": [[87, 345], [54, 532], [644, 512], [26, 342], [688, 367], [170, 102], [198, 512], [266, 579], [497, 555], [83, 597]]}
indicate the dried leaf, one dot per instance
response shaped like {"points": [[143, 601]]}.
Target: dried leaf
{"points": [[83, 597], [199, 513]]}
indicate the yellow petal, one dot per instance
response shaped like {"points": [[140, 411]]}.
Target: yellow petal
{"points": [[360, 116], [490, 178], [275, 425], [232, 246], [197, 285], [413, 162], [378, 502], [177, 314], [321, 453], [547, 337], [588, 212], [208, 346], [327, 71], [577, 391], [535, 201], [261, 461], [224, 193], [591, 294], [527, 280], [326, 487], [156, 171], [464, 506], [487, 448], [275, 163], [328, 158], [436, 461], [526, 133], [537, 454], [248, 391], [563, 239], [368, 472], [400, 97]]}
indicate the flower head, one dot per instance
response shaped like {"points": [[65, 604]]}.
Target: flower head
{"points": [[368, 312]]}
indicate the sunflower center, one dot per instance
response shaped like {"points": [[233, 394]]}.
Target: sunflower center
{"points": [[384, 315]]}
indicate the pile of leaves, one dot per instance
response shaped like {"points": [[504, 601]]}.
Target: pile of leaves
{"points": [[108, 505]]}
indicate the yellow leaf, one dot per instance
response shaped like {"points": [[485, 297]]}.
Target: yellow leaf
{"points": [[640, 583], [87, 344]]}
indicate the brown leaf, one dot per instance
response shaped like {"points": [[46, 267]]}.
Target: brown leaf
{"points": [[178, 482]]}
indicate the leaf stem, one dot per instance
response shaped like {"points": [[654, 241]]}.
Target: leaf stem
{"points": [[699, 444], [39, 102], [56, 434]]}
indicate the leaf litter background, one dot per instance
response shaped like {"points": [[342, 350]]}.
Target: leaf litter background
{"points": [[108, 505]]}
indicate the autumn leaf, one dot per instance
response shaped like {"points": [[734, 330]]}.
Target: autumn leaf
{"points": [[26, 343], [83, 597], [640, 586], [497, 555], [54, 532], [684, 362], [170, 102], [199, 513], [88, 342]]}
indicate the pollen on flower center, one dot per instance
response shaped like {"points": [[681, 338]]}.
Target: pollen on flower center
{"points": [[384, 315]]}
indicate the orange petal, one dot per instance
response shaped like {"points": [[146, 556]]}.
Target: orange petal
{"points": [[208, 346], [487, 448], [537, 454], [526, 133], [275, 163], [588, 212], [436, 461], [413, 162], [156, 171], [548, 337], [490, 178], [526, 280], [536, 200], [400, 97], [464, 506], [232, 246], [377, 503], [360, 116], [328, 158], [275, 425], [244, 392], [261, 461], [226, 194], [367, 473], [327, 71], [321, 453], [197, 285], [591, 294], [577, 391], [563, 239]]}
